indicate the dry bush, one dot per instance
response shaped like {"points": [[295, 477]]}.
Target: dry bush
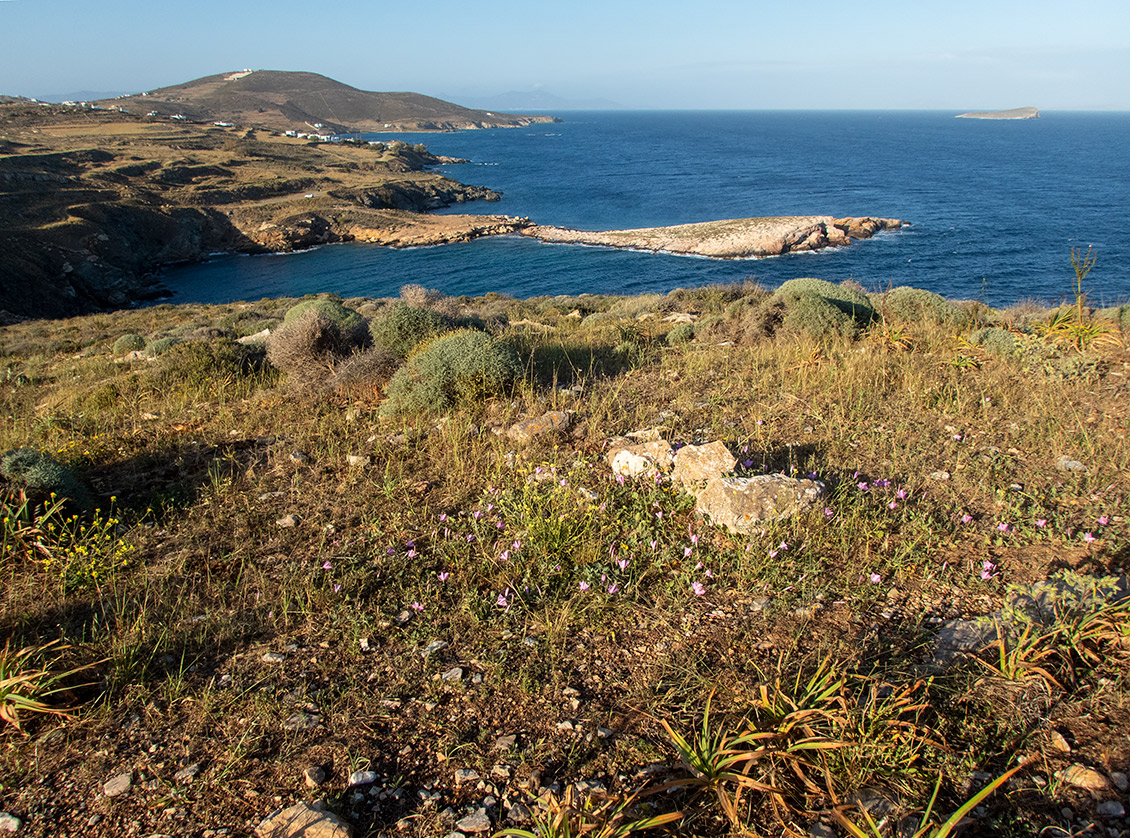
{"points": [[309, 348], [365, 373]]}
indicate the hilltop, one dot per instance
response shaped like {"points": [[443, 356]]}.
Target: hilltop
{"points": [[283, 100]]}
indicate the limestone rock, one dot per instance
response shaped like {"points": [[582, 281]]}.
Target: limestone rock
{"points": [[548, 423], [475, 822], [697, 465], [640, 459], [9, 823], [303, 821], [741, 503], [1083, 777], [118, 785]]}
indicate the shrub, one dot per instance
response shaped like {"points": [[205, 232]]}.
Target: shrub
{"points": [[683, 333], [818, 317], [350, 324], [917, 304], [244, 323], [309, 347], [404, 327], [195, 363], [994, 340], [162, 345], [128, 343], [850, 301], [365, 372], [42, 476], [760, 321], [458, 368]]}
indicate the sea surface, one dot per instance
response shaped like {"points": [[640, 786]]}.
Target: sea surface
{"points": [[995, 206]]}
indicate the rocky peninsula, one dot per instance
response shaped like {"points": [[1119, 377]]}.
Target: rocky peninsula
{"points": [[736, 238], [1013, 113]]}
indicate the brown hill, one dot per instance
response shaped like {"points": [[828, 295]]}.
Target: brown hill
{"points": [[284, 100]]}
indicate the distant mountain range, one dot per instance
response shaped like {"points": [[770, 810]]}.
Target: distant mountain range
{"points": [[284, 100]]}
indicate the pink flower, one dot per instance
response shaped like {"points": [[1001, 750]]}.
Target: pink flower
{"points": [[876, 578], [783, 545], [417, 607], [687, 552], [443, 576], [505, 555], [694, 539], [901, 494], [773, 553], [967, 518], [327, 565], [653, 544], [477, 515], [1041, 522], [442, 517], [516, 546], [698, 588], [501, 601], [584, 586], [862, 484], [893, 505], [623, 563], [760, 422], [411, 554], [1002, 526], [337, 589], [709, 574], [1088, 537], [613, 588], [987, 568], [828, 513], [1103, 521]]}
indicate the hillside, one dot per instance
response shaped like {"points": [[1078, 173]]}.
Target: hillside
{"points": [[284, 100]]}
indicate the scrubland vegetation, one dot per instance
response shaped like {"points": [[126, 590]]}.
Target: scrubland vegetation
{"points": [[322, 548]]}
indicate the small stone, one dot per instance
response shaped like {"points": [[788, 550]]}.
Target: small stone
{"points": [[477, 678], [359, 460], [505, 743], [477, 821], [549, 423], [939, 475], [1119, 780], [303, 821], [759, 604], [9, 823], [94, 819], [273, 657], [566, 725], [187, 774], [298, 457], [696, 465], [118, 785], [820, 830], [529, 641], [604, 732], [403, 617], [466, 775], [1059, 742], [1065, 463], [500, 772], [301, 721], [287, 521], [362, 778], [740, 504], [569, 692], [434, 647], [314, 776], [364, 644], [453, 674], [1084, 778], [1111, 809]]}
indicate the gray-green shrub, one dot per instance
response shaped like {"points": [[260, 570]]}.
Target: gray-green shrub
{"points": [[818, 317], [458, 368], [350, 324], [403, 327], [994, 340], [41, 476], [128, 343], [850, 301], [681, 334], [917, 304]]}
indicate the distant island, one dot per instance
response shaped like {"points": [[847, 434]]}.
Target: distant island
{"points": [[1014, 113], [281, 100]]}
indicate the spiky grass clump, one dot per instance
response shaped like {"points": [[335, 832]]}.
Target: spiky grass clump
{"points": [[458, 368], [404, 327], [42, 477], [915, 305]]}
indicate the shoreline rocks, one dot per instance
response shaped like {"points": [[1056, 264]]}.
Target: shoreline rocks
{"points": [[735, 238]]}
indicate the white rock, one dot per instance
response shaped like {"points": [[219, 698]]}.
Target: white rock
{"points": [[118, 785], [362, 778], [9, 823]]}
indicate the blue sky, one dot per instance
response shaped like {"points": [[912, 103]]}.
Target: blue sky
{"points": [[958, 54]]}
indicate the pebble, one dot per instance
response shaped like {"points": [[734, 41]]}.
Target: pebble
{"points": [[1119, 780], [118, 785], [288, 521], [1111, 809], [9, 823], [466, 775], [1084, 778], [453, 674], [505, 743], [820, 830], [298, 457], [1065, 463], [566, 725], [519, 814], [302, 720], [359, 460], [604, 732], [477, 821], [315, 775], [939, 475], [303, 819], [187, 774], [434, 647], [362, 778], [1059, 742], [759, 604], [273, 657]]}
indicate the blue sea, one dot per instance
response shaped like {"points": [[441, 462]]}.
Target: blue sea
{"points": [[995, 206]]}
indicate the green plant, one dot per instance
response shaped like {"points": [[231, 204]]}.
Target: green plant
{"points": [[43, 477], [571, 816], [681, 334], [995, 341], [161, 345], [458, 368], [25, 684], [403, 327], [915, 305], [128, 343], [818, 317], [927, 827], [309, 346], [350, 324], [847, 299]]}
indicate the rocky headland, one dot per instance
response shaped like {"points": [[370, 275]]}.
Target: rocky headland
{"points": [[1012, 113], [736, 238]]}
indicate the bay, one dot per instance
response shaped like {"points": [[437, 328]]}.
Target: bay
{"points": [[995, 206]]}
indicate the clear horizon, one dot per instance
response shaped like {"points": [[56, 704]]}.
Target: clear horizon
{"points": [[631, 55]]}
